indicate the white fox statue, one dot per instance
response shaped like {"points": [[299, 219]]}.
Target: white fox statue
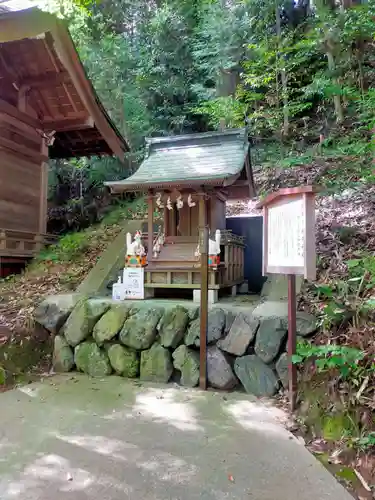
{"points": [[213, 245], [135, 247]]}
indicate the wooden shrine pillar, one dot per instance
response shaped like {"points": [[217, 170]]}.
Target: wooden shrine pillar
{"points": [[167, 224], [202, 216], [173, 220], [150, 224], [43, 193]]}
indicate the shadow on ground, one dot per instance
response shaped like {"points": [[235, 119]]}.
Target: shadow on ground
{"points": [[74, 438]]}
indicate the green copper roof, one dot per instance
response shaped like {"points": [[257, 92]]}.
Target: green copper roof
{"points": [[215, 158]]}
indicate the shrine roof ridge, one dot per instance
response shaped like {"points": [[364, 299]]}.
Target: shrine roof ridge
{"points": [[210, 158], [239, 132]]}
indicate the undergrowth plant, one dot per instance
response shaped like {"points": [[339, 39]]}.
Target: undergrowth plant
{"points": [[352, 367], [346, 360], [365, 442], [73, 245], [69, 246], [351, 299]]}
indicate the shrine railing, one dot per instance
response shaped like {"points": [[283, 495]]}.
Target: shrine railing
{"points": [[15, 243], [228, 238], [177, 264]]}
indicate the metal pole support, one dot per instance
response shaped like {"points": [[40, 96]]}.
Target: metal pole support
{"points": [[203, 248], [292, 336]]}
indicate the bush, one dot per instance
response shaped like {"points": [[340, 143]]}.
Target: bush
{"points": [[351, 299], [69, 247], [330, 357]]}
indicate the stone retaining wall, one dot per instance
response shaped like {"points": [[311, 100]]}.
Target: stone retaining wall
{"points": [[100, 337]]}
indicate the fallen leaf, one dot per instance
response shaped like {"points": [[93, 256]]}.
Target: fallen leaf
{"points": [[334, 458]]}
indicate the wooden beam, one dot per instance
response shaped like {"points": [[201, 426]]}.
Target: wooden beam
{"points": [[221, 195], [81, 122], [31, 23], [23, 127], [9, 70], [195, 286], [166, 222], [150, 219], [48, 43], [250, 176], [43, 198], [239, 183], [19, 115], [67, 54], [187, 211], [18, 136], [23, 150], [238, 193], [22, 98], [52, 78], [173, 220], [43, 194]]}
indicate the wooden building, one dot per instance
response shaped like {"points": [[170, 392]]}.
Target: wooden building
{"points": [[190, 178], [48, 109]]}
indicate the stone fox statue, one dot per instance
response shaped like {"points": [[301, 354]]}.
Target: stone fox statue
{"points": [[135, 247], [213, 245]]}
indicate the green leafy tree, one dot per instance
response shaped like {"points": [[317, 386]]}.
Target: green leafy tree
{"points": [[298, 74]]}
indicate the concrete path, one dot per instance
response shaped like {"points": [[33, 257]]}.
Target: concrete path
{"points": [[71, 438]]}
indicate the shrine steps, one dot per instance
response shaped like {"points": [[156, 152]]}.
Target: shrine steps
{"points": [[179, 253], [162, 266]]}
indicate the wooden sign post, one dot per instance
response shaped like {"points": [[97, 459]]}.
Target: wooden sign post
{"points": [[289, 249], [203, 248]]}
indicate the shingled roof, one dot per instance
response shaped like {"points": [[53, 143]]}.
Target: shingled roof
{"points": [[212, 158]]}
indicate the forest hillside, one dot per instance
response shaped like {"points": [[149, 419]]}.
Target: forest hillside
{"points": [[301, 76]]}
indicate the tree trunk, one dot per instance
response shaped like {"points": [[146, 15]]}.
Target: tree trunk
{"points": [[361, 75], [284, 79], [339, 112]]}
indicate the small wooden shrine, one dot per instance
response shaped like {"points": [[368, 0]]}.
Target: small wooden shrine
{"points": [[189, 179], [48, 109]]}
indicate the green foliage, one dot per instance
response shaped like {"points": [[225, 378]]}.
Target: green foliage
{"points": [[228, 109], [353, 366], [336, 426], [365, 442], [362, 266], [126, 210], [331, 357], [300, 76], [75, 244], [69, 247], [350, 299]]}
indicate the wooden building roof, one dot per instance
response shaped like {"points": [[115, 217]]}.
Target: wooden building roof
{"points": [[42, 76], [208, 159]]}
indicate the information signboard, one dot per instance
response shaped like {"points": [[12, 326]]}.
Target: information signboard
{"points": [[133, 283], [288, 232], [289, 249]]}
